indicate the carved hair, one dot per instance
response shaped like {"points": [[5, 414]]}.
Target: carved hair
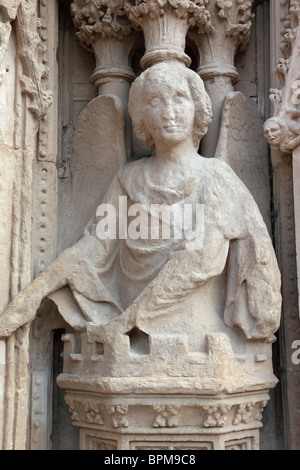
{"points": [[275, 120], [283, 128], [163, 72]]}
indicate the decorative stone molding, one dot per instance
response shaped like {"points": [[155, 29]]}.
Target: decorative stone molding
{"points": [[216, 415], [33, 182], [118, 415], [183, 422], [72, 409], [34, 71], [211, 408], [167, 416], [93, 414]]}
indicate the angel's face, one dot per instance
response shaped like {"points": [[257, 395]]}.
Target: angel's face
{"points": [[169, 111], [273, 133]]}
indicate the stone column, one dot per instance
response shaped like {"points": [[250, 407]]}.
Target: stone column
{"points": [[231, 23], [106, 30]]}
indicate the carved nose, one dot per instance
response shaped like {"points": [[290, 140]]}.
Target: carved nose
{"points": [[169, 112]]}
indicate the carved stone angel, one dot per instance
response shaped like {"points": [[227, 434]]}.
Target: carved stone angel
{"points": [[231, 280]]}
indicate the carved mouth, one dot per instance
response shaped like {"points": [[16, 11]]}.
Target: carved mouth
{"points": [[171, 128], [274, 140]]}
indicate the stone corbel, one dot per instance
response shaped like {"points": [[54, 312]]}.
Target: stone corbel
{"points": [[231, 23]]}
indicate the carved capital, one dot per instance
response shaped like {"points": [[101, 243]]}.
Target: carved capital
{"points": [[194, 11], [165, 24], [231, 22], [104, 29], [282, 131], [99, 17]]}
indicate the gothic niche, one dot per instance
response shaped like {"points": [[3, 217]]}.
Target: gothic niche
{"points": [[171, 294]]}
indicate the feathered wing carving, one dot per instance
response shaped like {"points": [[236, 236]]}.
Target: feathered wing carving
{"points": [[242, 145], [98, 152]]}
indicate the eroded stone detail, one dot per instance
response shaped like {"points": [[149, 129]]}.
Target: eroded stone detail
{"points": [[72, 408], [100, 17], [118, 415], [34, 71], [8, 14], [216, 415], [183, 423], [167, 416]]}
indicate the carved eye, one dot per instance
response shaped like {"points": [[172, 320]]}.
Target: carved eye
{"points": [[180, 98], [154, 102]]}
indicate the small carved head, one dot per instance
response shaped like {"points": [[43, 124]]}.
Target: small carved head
{"points": [[274, 130], [179, 102]]}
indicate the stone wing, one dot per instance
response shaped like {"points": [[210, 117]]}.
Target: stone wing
{"points": [[98, 152], [243, 147]]}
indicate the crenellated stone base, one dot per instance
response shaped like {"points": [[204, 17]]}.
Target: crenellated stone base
{"points": [[130, 390]]}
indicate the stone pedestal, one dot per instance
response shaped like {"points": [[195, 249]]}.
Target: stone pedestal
{"points": [[170, 414], [164, 397]]}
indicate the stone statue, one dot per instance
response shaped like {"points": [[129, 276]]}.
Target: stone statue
{"points": [[230, 280]]}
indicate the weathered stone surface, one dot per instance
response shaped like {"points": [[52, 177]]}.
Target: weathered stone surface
{"points": [[187, 306], [168, 339]]}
